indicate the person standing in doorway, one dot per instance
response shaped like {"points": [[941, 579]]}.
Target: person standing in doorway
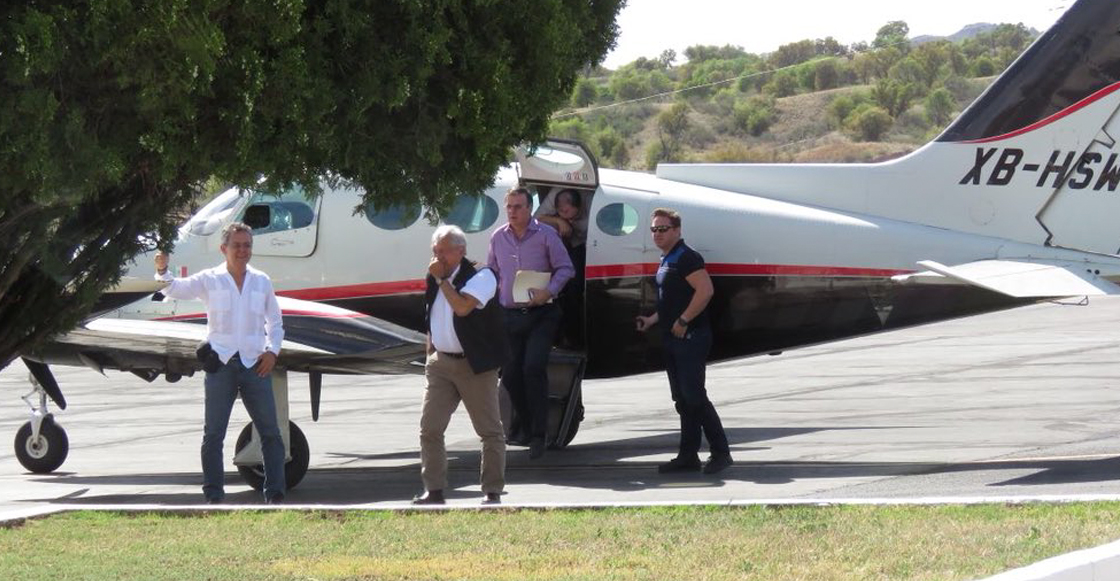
{"points": [[525, 244]]}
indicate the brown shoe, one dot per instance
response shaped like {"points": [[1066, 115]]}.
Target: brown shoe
{"points": [[429, 497], [492, 498]]}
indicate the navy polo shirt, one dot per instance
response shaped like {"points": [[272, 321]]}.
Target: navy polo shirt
{"points": [[673, 291]]}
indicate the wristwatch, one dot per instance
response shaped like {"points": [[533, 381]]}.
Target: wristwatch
{"points": [[682, 322]]}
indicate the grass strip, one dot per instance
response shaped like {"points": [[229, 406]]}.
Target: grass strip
{"points": [[820, 543]]}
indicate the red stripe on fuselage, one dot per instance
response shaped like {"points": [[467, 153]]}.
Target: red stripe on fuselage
{"points": [[350, 291], [727, 269], [1056, 116], [378, 289]]}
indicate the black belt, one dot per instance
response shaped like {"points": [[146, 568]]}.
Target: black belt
{"points": [[453, 355], [524, 310]]}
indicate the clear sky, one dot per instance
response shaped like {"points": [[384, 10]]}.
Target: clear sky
{"points": [[647, 27]]}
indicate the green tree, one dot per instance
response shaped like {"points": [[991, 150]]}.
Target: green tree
{"points": [[782, 83], [894, 96], [983, 67], [869, 122], [826, 75], [842, 106], [893, 34], [667, 58], [939, 106], [672, 124], [585, 93], [755, 115], [115, 111]]}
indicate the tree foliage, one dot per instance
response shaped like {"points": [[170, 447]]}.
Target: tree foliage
{"points": [[939, 106], [869, 122], [116, 110]]}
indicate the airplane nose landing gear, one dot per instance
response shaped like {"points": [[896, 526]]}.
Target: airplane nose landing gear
{"points": [[41, 444]]}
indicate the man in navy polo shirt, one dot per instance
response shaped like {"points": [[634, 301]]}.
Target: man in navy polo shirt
{"points": [[683, 292]]}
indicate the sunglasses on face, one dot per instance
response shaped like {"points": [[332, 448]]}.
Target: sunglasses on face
{"points": [[660, 229]]}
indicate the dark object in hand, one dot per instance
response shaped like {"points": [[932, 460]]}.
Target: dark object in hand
{"points": [[208, 357]]}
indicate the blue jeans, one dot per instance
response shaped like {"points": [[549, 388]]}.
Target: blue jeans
{"points": [[222, 387], [686, 364]]}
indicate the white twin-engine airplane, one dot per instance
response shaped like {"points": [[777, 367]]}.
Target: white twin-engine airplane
{"points": [[1015, 202]]}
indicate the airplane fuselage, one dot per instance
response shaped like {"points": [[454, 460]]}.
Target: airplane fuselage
{"points": [[785, 274]]}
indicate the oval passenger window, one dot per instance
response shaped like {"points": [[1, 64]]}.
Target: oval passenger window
{"points": [[395, 217], [617, 219], [473, 214]]}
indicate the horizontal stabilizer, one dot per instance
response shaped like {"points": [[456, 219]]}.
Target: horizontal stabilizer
{"points": [[1022, 279]]}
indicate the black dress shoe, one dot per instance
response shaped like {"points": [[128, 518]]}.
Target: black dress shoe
{"points": [[492, 498], [679, 464], [718, 463], [277, 498], [429, 497], [536, 448], [213, 500]]}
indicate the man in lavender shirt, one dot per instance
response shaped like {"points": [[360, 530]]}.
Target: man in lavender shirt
{"points": [[526, 244]]}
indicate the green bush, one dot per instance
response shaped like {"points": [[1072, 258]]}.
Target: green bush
{"points": [[755, 115], [869, 122]]}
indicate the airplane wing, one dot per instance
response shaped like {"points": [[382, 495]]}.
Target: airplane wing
{"points": [[1020, 278], [318, 339]]}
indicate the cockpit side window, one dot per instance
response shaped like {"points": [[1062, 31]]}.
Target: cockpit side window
{"points": [[269, 212]]}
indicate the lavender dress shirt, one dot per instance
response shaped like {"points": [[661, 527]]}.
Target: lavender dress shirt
{"points": [[540, 249]]}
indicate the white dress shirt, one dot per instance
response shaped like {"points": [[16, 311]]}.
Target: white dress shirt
{"points": [[247, 322], [482, 286]]}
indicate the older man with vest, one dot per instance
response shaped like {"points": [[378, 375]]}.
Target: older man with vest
{"points": [[466, 345]]}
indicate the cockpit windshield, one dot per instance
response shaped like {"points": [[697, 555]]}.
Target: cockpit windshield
{"points": [[207, 220]]}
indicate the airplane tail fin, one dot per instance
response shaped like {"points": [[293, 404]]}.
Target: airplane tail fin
{"points": [[1075, 62], [1034, 159]]}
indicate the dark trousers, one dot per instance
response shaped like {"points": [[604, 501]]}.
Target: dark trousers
{"points": [[525, 376], [685, 362]]}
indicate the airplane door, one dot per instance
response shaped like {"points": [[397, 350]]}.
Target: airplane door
{"points": [[621, 260], [558, 162], [283, 225]]}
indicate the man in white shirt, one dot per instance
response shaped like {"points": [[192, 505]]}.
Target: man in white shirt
{"points": [[466, 345], [244, 328]]}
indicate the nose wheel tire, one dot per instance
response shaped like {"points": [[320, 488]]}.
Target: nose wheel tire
{"points": [[46, 453], [294, 469]]}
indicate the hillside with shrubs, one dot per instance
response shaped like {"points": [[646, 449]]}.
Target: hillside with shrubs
{"points": [[808, 101]]}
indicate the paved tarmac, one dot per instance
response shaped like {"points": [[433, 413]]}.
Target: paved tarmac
{"points": [[1022, 404]]}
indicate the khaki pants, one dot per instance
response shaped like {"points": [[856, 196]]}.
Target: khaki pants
{"points": [[449, 381]]}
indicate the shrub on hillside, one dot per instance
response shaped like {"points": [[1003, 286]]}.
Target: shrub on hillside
{"points": [[754, 115], [570, 128], [842, 106], [738, 152], [940, 106], [869, 122]]}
